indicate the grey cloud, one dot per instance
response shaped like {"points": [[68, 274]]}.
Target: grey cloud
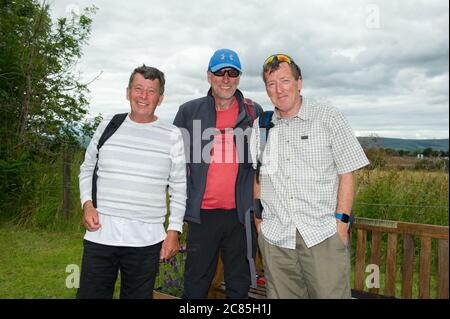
{"points": [[390, 78]]}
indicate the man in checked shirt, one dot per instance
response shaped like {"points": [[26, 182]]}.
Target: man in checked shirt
{"points": [[307, 187]]}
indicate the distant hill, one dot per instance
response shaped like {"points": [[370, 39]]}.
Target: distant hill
{"points": [[403, 144], [384, 142]]}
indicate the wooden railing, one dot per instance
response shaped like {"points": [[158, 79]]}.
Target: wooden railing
{"points": [[407, 244], [394, 257]]}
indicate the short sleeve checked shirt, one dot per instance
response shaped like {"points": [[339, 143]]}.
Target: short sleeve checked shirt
{"points": [[301, 162]]}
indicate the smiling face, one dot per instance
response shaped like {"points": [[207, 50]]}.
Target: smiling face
{"points": [[284, 90], [223, 87], [144, 97]]}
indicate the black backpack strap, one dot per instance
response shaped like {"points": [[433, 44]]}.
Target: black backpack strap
{"points": [[265, 124], [110, 129]]}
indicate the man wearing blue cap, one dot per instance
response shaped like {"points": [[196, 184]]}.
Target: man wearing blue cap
{"points": [[219, 178]]}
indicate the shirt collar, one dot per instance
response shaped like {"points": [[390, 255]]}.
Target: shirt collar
{"points": [[302, 114]]}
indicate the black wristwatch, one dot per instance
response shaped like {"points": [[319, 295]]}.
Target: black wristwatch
{"points": [[342, 217]]}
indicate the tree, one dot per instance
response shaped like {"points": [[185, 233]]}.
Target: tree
{"points": [[428, 152], [44, 98], [43, 101], [404, 153]]}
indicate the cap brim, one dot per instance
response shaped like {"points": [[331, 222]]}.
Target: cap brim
{"points": [[224, 65]]}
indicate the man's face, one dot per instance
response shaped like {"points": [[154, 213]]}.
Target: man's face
{"points": [[284, 90], [223, 87], [144, 97]]}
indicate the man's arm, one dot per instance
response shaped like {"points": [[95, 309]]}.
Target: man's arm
{"points": [[346, 195], [177, 192], [90, 214]]}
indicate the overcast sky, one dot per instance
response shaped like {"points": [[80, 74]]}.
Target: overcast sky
{"points": [[384, 64]]}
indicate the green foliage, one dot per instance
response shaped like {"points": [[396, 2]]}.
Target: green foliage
{"points": [[45, 203], [409, 196], [377, 157], [437, 164], [44, 104]]}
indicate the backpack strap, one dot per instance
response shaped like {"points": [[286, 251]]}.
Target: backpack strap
{"points": [[110, 129], [265, 124], [249, 105]]}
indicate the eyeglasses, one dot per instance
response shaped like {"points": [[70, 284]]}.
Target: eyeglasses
{"points": [[232, 73], [280, 57]]}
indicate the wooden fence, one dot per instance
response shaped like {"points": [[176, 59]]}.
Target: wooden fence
{"points": [[406, 245]]}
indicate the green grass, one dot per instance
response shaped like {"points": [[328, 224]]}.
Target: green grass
{"points": [[33, 263]]}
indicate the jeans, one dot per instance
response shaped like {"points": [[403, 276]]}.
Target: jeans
{"points": [[101, 264]]}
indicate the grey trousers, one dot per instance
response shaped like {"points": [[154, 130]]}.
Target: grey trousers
{"points": [[319, 272]]}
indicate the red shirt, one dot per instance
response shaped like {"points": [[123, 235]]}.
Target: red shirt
{"points": [[223, 169]]}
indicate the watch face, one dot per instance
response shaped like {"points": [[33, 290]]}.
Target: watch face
{"points": [[345, 218]]}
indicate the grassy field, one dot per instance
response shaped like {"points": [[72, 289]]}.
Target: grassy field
{"points": [[33, 263], [33, 259], [409, 196]]}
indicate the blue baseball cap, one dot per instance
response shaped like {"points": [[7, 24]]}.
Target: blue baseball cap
{"points": [[224, 58]]}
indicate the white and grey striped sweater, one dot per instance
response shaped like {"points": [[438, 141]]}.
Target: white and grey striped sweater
{"points": [[135, 165]]}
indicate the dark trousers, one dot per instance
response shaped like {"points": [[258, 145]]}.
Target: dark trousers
{"points": [[219, 231], [100, 266]]}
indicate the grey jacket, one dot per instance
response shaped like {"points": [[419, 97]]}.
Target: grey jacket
{"points": [[204, 109]]}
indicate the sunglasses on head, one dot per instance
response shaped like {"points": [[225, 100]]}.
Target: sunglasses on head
{"points": [[232, 73], [280, 57]]}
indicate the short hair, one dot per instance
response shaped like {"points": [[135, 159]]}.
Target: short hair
{"points": [[275, 65], [149, 73]]}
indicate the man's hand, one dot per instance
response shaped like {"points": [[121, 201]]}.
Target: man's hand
{"points": [[90, 217], [342, 230], [256, 189], [257, 196], [258, 225], [170, 246]]}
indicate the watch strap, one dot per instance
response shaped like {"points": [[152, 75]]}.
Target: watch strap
{"points": [[345, 218]]}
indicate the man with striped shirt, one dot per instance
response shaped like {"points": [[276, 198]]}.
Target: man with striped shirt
{"points": [[307, 189], [125, 232]]}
